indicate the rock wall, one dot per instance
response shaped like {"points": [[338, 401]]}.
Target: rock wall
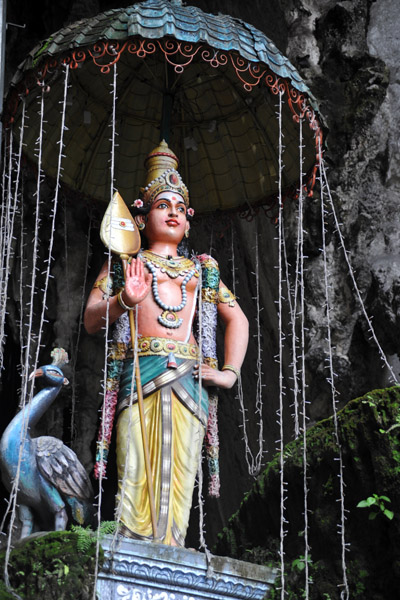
{"points": [[347, 52], [367, 432]]}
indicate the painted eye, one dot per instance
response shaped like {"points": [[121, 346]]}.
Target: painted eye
{"points": [[182, 209], [162, 205], [54, 373]]}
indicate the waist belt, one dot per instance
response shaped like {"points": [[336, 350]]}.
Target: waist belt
{"points": [[169, 378], [155, 346]]}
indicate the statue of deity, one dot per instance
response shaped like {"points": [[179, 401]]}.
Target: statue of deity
{"points": [[177, 371]]}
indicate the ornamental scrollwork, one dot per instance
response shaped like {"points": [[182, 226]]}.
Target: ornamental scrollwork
{"points": [[141, 48], [242, 67], [181, 579], [126, 593], [215, 58], [184, 50], [111, 51]]}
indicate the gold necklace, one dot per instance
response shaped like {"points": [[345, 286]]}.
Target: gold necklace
{"points": [[173, 267]]}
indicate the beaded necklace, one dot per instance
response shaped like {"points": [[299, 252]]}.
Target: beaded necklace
{"points": [[173, 268]]}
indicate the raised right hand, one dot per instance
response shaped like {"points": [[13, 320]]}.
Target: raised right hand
{"points": [[137, 282]]}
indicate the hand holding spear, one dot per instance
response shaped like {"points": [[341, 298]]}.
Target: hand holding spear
{"points": [[121, 236]]}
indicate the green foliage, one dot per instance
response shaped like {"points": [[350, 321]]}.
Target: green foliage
{"points": [[108, 527], [52, 566], [5, 594], [300, 562], [395, 425], [378, 506], [86, 537], [322, 586], [370, 400]]}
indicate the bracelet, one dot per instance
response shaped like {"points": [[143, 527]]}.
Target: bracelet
{"points": [[122, 303], [233, 369]]}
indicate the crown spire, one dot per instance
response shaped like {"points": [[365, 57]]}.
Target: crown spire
{"points": [[162, 175]]}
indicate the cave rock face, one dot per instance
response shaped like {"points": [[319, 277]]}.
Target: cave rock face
{"points": [[350, 58]]}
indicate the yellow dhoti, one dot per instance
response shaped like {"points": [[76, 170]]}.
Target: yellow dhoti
{"points": [[175, 427]]}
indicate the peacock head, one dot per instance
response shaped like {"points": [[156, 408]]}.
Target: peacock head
{"points": [[51, 374]]}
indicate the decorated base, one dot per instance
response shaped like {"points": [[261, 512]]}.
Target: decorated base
{"points": [[136, 570]]}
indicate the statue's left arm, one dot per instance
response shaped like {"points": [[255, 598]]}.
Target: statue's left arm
{"points": [[235, 345]]}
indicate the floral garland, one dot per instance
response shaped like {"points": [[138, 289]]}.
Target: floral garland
{"points": [[209, 300], [115, 362]]}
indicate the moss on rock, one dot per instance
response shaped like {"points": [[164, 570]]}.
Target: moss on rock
{"points": [[55, 566], [369, 438]]}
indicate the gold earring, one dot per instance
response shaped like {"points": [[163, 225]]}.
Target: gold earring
{"points": [[187, 233], [141, 226]]}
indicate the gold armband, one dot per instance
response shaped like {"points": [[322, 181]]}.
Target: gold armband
{"points": [[233, 369], [105, 285], [226, 297]]}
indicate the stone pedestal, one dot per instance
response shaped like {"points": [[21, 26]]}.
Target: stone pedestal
{"points": [[136, 570]]}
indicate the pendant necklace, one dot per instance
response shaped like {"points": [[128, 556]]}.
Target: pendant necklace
{"points": [[174, 268]]}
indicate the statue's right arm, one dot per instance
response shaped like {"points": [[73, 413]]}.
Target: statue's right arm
{"points": [[137, 286], [95, 315]]}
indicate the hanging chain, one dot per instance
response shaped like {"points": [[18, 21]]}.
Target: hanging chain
{"points": [[254, 463], [331, 380], [280, 359], [352, 276], [107, 329], [303, 367]]}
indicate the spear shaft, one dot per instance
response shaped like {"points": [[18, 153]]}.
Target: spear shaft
{"points": [[145, 441]]}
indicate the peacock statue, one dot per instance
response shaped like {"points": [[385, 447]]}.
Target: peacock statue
{"points": [[51, 478]]}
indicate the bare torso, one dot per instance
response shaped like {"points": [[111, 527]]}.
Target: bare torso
{"points": [[170, 292]]}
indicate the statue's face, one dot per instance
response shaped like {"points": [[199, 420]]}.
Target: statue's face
{"points": [[166, 220]]}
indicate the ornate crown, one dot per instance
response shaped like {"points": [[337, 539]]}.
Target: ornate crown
{"points": [[162, 175]]}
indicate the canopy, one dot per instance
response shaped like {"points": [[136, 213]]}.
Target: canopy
{"points": [[210, 85]]}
